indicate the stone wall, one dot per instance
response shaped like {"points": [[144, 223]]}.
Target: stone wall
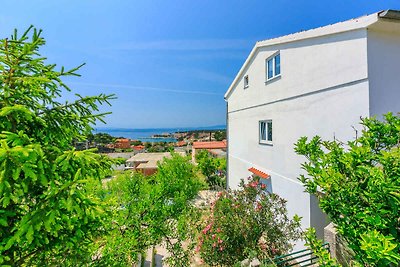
{"points": [[338, 246]]}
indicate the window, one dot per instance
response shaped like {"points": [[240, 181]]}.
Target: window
{"points": [[273, 65], [246, 81], [265, 132]]}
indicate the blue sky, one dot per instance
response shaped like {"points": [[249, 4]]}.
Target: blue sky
{"points": [[168, 62]]}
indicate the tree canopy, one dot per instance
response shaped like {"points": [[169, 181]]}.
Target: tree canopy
{"points": [[148, 211], [214, 169], [358, 186], [47, 214]]}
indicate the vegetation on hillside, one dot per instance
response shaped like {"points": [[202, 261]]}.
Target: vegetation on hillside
{"points": [[148, 211], [214, 169], [55, 210]]}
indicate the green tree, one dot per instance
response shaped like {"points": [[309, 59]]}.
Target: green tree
{"points": [[150, 210], [101, 138], [358, 186], [247, 222], [214, 169], [136, 143], [47, 216], [220, 135]]}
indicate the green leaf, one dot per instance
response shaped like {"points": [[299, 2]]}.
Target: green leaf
{"points": [[29, 234], [3, 222]]}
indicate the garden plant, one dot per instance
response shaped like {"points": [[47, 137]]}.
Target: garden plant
{"points": [[358, 186], [245, 223]]}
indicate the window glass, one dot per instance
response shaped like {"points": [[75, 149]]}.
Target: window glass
{"points": [[269, 130], [246, 81], [273, 66], [277, 64], [270, 69], [263, 132]]}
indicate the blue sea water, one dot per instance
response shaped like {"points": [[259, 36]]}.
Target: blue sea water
{"points": [[144, 135]]}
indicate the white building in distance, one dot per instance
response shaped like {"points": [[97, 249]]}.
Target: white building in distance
{"points": [[315, 82]]}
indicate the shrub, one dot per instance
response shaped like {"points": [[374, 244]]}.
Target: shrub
{"points": [[247, 221], [148, 211], [360, 188], [214, 169]]}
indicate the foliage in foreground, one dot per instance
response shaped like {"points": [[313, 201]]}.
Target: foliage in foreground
{"points": [[47, 215], [150, 210], [214, 169], [360, 188], [248, 221]]}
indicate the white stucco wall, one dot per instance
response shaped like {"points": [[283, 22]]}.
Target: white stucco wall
{"points": [[323, 90], [306, 66], [328, 114], [383, 68]]}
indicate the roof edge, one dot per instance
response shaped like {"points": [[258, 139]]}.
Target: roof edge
{"points": [[344, 26], [390, 14], [249, 57]]}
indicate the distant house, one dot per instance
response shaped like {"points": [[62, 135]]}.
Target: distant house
{"points": [[180, 144], [315, 82], [146, 163], [138, 148], [122, 143], [215, 147]]}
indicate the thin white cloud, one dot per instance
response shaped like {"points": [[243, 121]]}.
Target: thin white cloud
{"points": [[190, 45], [201, 74], [144, 88]]}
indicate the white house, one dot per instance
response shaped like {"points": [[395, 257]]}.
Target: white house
{"points": [[315, 82]]}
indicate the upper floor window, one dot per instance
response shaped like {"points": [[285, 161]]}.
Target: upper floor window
{"points": [[265, 132], [273, 65], [246, 81]]}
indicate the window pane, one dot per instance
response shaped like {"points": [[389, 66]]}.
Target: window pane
{"points": [[270, 69], [269, 129], [263, 132], [277, 64]]}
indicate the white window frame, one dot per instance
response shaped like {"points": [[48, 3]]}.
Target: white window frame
{"points": [[268, 127], [246, 81], [273, 60]]}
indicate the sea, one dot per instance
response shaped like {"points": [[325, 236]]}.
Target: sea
{"points": [[145, 135]]}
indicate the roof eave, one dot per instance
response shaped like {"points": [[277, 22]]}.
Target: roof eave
{"points": [[346, 26], [250, 56], [389, 14]]}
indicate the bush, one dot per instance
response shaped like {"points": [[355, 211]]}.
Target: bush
{"points": [[247, 221], [214, 169], [360, 188], [148, 211]]}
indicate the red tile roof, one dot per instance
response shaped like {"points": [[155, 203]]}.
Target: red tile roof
{"points": [[139, 147], [209, 145], [180, 143], [122, 140], [259, 173]]}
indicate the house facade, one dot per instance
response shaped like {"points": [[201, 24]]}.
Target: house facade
{"points": [[216, 148], [316, 82], [147, 163]]}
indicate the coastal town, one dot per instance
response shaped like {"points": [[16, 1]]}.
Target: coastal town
{"points": [[230, 142], [145, 156]]}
